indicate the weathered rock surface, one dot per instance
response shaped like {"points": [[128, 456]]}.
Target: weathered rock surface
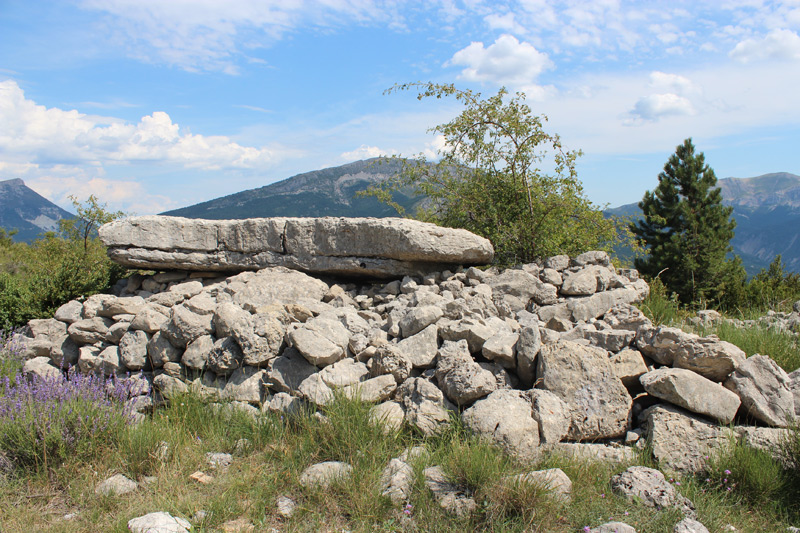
{"points": [[505, 417], [582, 377], [350, 246], [552, 480], [116, 485], [763, 387], [693, 392], [650, 488], [323, 475], [452, 498]]}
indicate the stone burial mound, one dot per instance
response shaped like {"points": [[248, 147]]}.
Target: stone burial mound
{"points": [[363, 247], [550, 355]]}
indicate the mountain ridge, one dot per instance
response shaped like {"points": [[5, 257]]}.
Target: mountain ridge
{"points": [[27, 211]]}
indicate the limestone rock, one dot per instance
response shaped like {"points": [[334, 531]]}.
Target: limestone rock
{"points": [[551, 413], [245, 384], [459, 376], [419, 318], [553, 480], [583, 378], [661, 343], [709, 357], [763, 387], [70, 312], [680, 441], [588, 451], [343, 373], [505, 418], [321, 341], [613, 527], [323, 475], [133, 349], [425, 405], [693, 392], [184, 326], [160, 522], [289, 370], [528, 346], [41, 368], [452, 498], [502, 349], [376, 389], [116, 485], [197, 352], [421, 349], [353, 246], [389, 359], [388, 415], [650, 488], [629, 366], [90, 330], [397, 481], [225, 356], [161, 351], [689, 525]]}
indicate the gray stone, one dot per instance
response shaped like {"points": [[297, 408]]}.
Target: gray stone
{"points": [[693, 392], [70, 312], [283, 404], [689, 525], [459, 376], [351, 246], [586, 282], [505, 418], [261, 339], [116, 485], [323, 475], [225, 356], [161, 351], [419, 318], [285, 506], [197, 352], [524, 286], [586, 451], [388, 415], [553, 480], [661, 343], [612, 341], [184, 326], [476, 331], [648, 486], [709, 357], [160, 522], [763, 387], [343, 373], [93, 360], [321, 341], [421, 349], [149, 320], [627, 317], [315, 390], [218, 460], [613, 527], [600, 303], [169, 386], [289, 370], [557, 262], [594, 257], [389, 359], [680, 441], [452, 498], [583, 378], [502, 349], [133, 349], [551, 413], [64, 353], [90, 330], [397, 481], [528, 347], [628, 365], [376, 389], [130, 305], [551, 276], [425, 405], [245, 384], [41, 368], [277, 285], [794, 386]]}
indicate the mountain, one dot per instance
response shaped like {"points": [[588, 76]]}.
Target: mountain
{"points": [[767, 213], [29, 212], [327, 192]]}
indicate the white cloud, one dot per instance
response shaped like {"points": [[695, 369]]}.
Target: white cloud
{"points": [[504, 22], [198, 35], [507, 61], [779, 44], [365, 152], [656, 106], [36, 134], [671, 82], [128, 195]]}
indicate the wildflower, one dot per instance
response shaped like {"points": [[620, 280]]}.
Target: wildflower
{"points": [[407, 509], [678, 483], [626, 513], [727, 472], [603, 495], [587, 529]]}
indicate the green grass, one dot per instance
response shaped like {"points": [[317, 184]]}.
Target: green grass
{"points": [[281, 448]]}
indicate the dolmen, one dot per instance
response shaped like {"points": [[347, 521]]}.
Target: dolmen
{"points": [[551, 355], [363, 247]]}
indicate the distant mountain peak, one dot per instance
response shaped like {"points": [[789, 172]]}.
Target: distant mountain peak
{"points": [[27, 211]]}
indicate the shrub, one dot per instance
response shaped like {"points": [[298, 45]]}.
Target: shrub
{"points": [[783, 347], [45, 421], [658, 306]]}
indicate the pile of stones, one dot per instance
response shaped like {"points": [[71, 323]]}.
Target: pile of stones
{"points": [[549, 355]]}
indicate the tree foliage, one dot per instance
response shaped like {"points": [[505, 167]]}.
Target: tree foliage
{"points": [[37, 278], [687, 231], [500, 175]]}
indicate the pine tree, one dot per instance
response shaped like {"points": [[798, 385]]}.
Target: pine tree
{"points": [[687, 231]]}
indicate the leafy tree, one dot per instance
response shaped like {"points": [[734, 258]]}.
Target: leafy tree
{"points": [[687, 232], [39, 277], [500, 175]]}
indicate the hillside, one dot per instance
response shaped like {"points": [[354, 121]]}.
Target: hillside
{"points": [[29, 212], [767, 213], [326, 192]]}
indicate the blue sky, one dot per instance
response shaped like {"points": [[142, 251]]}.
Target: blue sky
{"points": [[154, 105]]}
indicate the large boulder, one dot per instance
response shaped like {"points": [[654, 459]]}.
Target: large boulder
{"points": [[505, 418], [692, 391], [583, 378], [763, 387], [347, 246]]}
